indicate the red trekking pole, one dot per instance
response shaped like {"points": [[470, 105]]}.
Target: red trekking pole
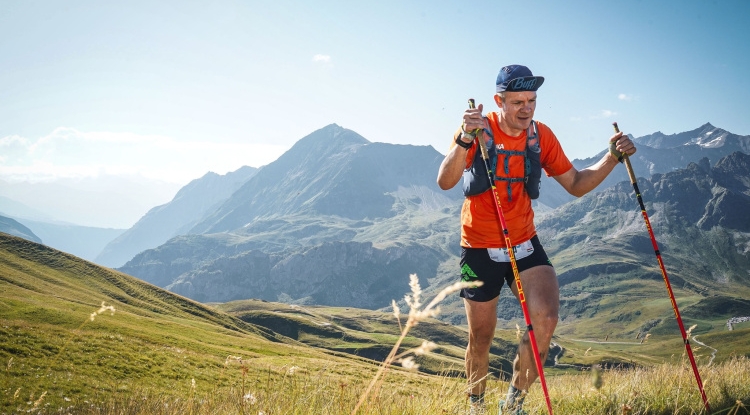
{"points": [[512, 255], [688, 349]]}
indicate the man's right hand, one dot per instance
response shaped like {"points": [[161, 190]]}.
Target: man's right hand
{"points": [[473, 119]]}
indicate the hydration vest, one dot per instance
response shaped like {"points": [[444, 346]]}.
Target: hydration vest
{"points": [[475, 180]]}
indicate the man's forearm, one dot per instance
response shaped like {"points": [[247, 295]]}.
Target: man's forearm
{"points": [[452, 168], [587, 179]]}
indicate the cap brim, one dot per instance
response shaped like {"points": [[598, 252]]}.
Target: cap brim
{"points": [[525, 83]]}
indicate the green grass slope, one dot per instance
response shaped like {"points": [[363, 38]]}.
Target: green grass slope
{"points": [[79, 338], [60, 339], [369, 334]]}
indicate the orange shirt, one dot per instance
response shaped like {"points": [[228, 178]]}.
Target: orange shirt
{"points": [[480, 226]]}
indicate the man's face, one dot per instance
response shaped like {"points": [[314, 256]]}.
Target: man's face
{"points": [[518, 108]]}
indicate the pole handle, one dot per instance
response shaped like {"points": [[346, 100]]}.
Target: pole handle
{"points": [[626, 159], [478, 134]]}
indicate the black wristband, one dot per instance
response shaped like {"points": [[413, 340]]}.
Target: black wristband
{"points": [[463, 143]]}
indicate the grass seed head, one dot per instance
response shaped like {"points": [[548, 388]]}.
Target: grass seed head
{"points": [[690, 330], [101, 310], [425, 348], [408, 363], [596, 377]]}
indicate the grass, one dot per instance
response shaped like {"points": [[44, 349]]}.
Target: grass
{"points": [[163, 354]]}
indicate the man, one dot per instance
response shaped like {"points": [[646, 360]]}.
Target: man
{"points": [[514, 139]]}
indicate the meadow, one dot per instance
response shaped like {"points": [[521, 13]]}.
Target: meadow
{"points": [[76, 338]]}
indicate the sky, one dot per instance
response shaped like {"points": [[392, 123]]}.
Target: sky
{"points": [[170, 90]]}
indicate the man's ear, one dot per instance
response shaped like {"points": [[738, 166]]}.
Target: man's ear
{"points": [[498, 100]]}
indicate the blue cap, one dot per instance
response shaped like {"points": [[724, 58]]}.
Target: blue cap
{"points": [[516, 78]]}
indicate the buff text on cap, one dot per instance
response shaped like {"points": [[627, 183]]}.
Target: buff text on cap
{"points": [[515, 78]]}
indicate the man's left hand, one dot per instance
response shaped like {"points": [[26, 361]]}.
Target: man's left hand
{"points": [[620, 144]]}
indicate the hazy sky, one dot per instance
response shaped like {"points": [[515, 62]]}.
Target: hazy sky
{"points": [[173, 89]]}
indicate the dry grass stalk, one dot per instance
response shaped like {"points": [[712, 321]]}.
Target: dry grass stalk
{"points": [[416, 314]]}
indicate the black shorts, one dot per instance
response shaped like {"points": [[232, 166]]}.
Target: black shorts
{"points": [[476, 265]]}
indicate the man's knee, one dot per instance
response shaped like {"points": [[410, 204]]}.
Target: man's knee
{"points": [[547, 322], [481, 339]]}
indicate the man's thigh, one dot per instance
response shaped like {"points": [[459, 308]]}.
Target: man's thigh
{"points": [[541, 290]]}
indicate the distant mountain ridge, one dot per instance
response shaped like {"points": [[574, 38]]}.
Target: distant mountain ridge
{"points": [[82, 241], [657, 153], [706, 136], [336, 189], [334, 171], [15, 228], [192, 202], [327, 194], [697, 216]]}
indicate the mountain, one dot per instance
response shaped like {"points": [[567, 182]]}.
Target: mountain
{"points": [[191, 203], [13, 227], [657, 153], [82, 241], [605, 260], [281, 238], [335, 172], [706, 136], [345, 274], [332, 193]]}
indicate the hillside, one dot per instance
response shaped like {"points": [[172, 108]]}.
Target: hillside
{"points": [[15, 228], [52, 343], [87, 339], [60, 337], [608, 274]]}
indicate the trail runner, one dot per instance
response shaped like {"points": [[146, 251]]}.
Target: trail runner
{"points": [[482, 242]]}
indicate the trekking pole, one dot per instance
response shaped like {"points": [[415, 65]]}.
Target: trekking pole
{"points": [[512, 255], [689, 350]]}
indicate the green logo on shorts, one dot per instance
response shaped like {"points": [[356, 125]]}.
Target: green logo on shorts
{"points": [[467, 274]]}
